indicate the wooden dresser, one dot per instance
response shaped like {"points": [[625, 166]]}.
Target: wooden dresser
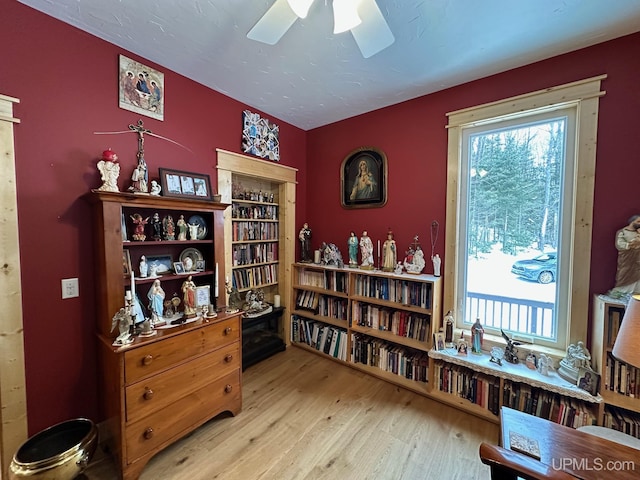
{"points": [[166, 386], [161, 387]]}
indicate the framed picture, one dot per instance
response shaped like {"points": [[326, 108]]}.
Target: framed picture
{"points": [[126, 262], [260, 137], [363, 176], [199, 265], [176, 183], [438, 341], [588, 380], [178, 267], [203, 295], [163, 264], [141, 89]]}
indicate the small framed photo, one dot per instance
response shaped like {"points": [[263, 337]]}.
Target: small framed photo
{"points": [[161, 264], [462, 348], [438, 341], [203, 296], [200, 265], [178, 267], [176, 183], [588, 380], [126, 262]]}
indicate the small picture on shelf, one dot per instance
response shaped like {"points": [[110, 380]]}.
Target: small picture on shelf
{"points": [[199, 265], [203, 295], [161, 264], [588, 380], [462, 347], [178, 267], [438, 341], [126, 262]]}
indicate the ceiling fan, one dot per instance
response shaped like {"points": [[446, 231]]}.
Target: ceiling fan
{"points": [[362, 17]]}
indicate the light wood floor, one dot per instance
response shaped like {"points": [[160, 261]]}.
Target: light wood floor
{"points": [[307, 417]]}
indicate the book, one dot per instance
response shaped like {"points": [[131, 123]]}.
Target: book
{"points": [[523, 444]]}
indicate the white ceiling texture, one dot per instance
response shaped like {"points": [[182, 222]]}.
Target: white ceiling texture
{"points": [[312, 77]]}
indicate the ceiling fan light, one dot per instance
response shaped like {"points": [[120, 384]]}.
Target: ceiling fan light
{"points": [[300, 7], [345, 15]]}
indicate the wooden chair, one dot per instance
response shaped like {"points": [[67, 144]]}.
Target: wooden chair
{"points": [[509, 465]]}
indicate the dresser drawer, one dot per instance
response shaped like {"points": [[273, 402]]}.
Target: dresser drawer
{"points": [[157, 356], [159, 391], [165, 426]]}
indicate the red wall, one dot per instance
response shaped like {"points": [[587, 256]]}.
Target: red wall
{"points": [[67, 83], [414, 138]]}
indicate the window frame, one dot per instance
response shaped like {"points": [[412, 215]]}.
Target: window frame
{"points": [[582, 96]]}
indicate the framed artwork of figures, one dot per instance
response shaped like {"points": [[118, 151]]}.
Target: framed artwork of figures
{"points": [[364, 179], [141, 89]]}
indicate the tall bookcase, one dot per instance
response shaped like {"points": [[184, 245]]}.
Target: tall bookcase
{"points": [[259, 227], [193, 368], [383, 324], [619, 382]]}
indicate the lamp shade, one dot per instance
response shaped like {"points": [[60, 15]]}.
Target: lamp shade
{"points": [[345, 15], [627, 345]]}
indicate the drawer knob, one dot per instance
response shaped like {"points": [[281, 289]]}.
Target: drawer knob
{"points": [[148, 433], [147, 360], [228, 388], [228, 330], [148, 394], [228, 358]]}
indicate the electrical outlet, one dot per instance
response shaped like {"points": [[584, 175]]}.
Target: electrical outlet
{"points": [[70, 288]]}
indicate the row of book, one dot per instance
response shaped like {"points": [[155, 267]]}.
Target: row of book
{"points": [[478, 388], [253, 277], [248, 254], [324, 338], [544, 404], [246, 231], [329, 280], [621, 420], [307, 300], [615, 319], [405, 362], [334, 307], [405, 292], [620, 377], [261, 212], [399, 322]]}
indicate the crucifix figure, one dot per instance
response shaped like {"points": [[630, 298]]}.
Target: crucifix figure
{"points": [[140, 175]]}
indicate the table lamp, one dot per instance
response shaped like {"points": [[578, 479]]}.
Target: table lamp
{"points": [[627, 345]]}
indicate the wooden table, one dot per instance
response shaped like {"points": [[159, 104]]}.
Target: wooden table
{"points": [[581, 454]]}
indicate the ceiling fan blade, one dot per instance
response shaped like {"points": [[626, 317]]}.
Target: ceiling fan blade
{"points": [[273, 24], [373, 34]]}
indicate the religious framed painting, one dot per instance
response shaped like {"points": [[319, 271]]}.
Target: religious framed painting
{"points": [[141, 89], [176, 183], [363, 178]]}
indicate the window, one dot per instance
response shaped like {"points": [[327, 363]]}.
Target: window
{"points": [[519, 209]]}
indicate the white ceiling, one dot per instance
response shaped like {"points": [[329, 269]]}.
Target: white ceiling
{"points": [[312, 77]]}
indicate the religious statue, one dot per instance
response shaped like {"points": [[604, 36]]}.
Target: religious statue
{"points": [[109, 169], [437, 262], [305, 243], [352, 244], [140, 177], [155, 188], [182, 228], [477, 335], [156, 302], [144, 267], [255, 305], [235, 302], [123, 320], [156, 226], [168, 228], [139, 222], [414, 259], [193, 230], [577, 357], [331, 255], [189, 297], [366, 252], [628, 265], [510, 350], [389, 254]]}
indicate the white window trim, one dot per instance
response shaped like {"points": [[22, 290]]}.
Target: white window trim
{"points": [[584, 96]]}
